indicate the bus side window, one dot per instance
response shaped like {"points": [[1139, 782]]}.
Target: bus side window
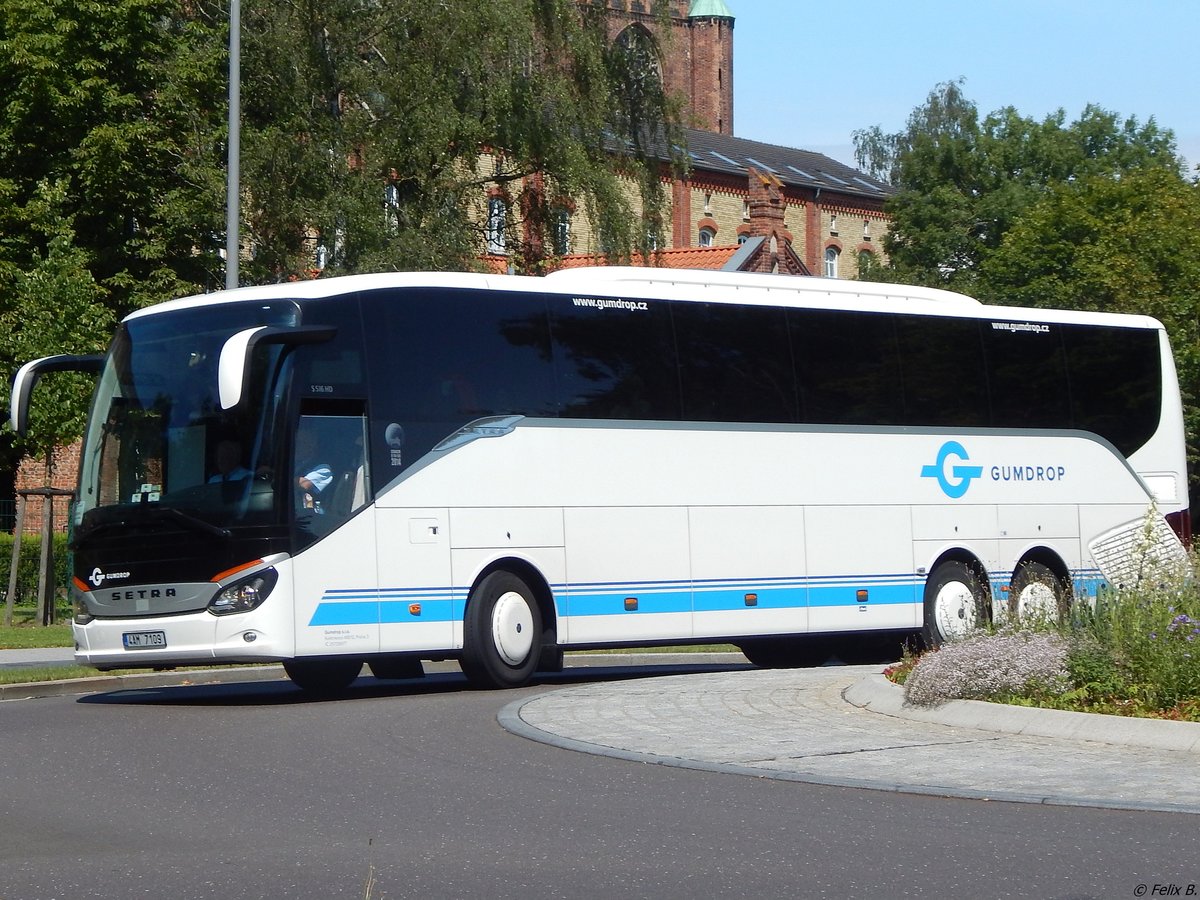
{"points": [[330, 474]]}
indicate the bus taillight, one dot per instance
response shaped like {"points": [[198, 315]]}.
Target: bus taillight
{"points": [[1181, 524]]}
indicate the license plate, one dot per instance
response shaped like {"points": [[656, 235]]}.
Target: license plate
{"points": [[143, 640]]}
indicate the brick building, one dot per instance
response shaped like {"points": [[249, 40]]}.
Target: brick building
{"points": [[743, 204]]}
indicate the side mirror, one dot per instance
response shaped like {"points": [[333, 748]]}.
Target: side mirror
{"points": [[233, 367], [27, 376]]}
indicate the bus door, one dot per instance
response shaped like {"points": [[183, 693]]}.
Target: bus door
{"points": [[333, 529]]}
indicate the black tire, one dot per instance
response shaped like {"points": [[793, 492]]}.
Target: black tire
{"points": [[502, 633], [787, 653], [956, 604], [1037, 593], [396, 668], [322, 677]]}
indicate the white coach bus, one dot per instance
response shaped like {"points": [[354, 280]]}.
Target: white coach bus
{"points": [[387, 468]]}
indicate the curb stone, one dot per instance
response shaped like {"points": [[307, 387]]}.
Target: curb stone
{"points": [[879, 695]]}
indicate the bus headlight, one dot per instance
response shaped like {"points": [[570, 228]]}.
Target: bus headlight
{"points": [[244, 595]]}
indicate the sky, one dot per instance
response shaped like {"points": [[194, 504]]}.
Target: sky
{"points": [[807, 75]]}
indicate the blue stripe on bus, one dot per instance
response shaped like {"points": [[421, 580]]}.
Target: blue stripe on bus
{"points": [[393, 606], [387, 606]]}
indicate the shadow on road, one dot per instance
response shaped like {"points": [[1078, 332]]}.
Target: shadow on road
{"points": [[282, 692]]}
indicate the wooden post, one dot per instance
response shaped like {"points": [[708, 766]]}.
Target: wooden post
{"points": [[11, 597]]}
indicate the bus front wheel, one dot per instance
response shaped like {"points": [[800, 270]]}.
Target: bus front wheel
{"points": [[502, 632], [955, 603]]}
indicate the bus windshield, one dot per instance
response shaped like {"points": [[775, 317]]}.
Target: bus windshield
{"points": [[160, 447]]}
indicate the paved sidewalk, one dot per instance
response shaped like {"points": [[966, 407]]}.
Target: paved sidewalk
{"points": [[799, 725], [37, 657]]}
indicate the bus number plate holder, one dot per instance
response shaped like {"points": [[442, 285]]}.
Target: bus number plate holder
{"points": [[144, 640]]}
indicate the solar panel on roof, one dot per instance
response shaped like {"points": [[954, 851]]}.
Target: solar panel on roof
{"points": [[726, 158], [873, 187], [801, 172], [835, 178], [761, 165]]}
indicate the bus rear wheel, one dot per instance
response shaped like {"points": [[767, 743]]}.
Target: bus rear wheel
{"points": [[502, 632], [1037, 595], [955, 603], [322, 677]]}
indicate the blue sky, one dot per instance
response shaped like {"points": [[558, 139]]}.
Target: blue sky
{"points": [[807, 75]]}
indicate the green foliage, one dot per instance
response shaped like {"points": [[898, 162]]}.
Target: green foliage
{"points": [[364, 124], [27, 568], [962, 181], [106, 178], [23, 634]]}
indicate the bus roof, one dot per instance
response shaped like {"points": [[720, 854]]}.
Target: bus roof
{"points": [[671, 284]]}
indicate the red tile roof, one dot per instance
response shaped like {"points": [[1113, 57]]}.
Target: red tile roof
{"points": [[711, 258]]}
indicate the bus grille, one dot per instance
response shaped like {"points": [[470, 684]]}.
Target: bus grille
{"points": [[1145, 549]]}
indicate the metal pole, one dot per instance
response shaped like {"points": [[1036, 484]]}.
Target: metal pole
{"points": [[233, 186]]}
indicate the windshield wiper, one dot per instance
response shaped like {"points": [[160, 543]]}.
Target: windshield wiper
{"points": [[146, 514]]}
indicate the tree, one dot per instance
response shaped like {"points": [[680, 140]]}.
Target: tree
{"points": [[962, 182], [55, 307], [365, 124], [98, 98], [1114, 244], [111, 178]]}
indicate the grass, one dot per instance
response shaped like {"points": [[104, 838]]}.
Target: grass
{"points": [[27, 635]]}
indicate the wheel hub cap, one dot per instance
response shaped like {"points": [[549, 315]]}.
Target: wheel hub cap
{"points": [[512, 628]]}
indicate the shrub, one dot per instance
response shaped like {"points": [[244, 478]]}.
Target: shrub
{"points": [[990, 666], [27, 570]]}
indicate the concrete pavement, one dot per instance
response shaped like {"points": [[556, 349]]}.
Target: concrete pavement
{"points": [[848, 726], [836, 725]]}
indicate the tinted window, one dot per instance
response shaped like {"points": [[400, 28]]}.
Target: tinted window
{"points": [[735, 363], [333, 367], [615, 359], [1116, 383], [847, 367], [1028, 375], [943, 372], [440, 359]]}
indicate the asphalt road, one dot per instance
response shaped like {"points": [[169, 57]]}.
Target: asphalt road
{"points": [[414, 790]]}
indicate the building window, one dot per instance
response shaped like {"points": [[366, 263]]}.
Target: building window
{"points": [[866, 229], [708, 203], [831, 262], [833, 225], [742, 238], [497, 213], [707, 236], [745, 210], [562, 233], [868, 265]]}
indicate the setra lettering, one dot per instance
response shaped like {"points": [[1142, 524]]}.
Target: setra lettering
{"points": [[143, 594]]}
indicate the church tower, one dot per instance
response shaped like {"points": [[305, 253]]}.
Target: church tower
{"points": [[695, 57]]}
